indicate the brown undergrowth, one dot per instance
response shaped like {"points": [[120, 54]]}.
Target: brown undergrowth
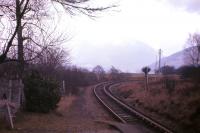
{"points": [[53, 121], [178, 108], [75, 114]]}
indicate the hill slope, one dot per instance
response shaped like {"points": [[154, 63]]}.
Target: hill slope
{"points": [[176, 60], [126, 57]]}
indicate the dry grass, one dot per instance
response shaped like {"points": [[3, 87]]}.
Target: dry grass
{"points": [[53, 121], [65, 104], [179, 108], [74, 114]]}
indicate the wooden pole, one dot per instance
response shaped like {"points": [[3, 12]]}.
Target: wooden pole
{"points": [[160, 52]]}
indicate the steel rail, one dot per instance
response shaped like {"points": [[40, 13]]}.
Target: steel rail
{"points": [[107, 90], [137, 113], [101, 100]]}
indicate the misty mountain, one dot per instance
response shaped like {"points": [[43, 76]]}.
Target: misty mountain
{"points": [[126, 57], [176, 60]]}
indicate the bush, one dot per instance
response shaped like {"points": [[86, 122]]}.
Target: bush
{"points": [[41, 95], [192, 72], [127, 93], [170, 84], [167, 70]]}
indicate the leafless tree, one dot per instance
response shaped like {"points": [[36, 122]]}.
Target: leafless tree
{"points": [[192, 51], [24, 33], [25, 24], [114, 73], [100, 73], [51, 62], [54, 57], [24, 16]]}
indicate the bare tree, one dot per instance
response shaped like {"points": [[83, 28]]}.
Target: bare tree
{"points": [[100, 73], [50, 62], [114, 73], [25, 18], [192, 51], [146, 70], [24, 32], [54, 57]]}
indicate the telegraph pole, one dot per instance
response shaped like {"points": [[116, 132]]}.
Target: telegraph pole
{"points": [[159, 66]]}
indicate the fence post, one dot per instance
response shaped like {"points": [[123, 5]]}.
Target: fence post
{"points": [[64, 86], [19, 93], [10, 90], [9, 116]]}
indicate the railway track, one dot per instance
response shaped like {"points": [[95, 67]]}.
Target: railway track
{"points": [[123, 112]]}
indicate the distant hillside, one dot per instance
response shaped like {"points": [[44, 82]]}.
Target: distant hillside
{"points": [[175, 60], [128, 57]]}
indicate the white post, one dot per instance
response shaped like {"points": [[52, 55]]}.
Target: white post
{"points": [[10, 90], [10, 120], [20, 93], [22, 97]]}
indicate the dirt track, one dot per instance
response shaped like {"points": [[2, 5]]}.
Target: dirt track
{"points": [[76, 114]]}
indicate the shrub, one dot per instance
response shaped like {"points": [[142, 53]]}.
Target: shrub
{"points": [[126, 94], [41, 94], [167, 70], [192, 72], [170, 84]]}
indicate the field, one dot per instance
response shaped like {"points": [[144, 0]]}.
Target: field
{"points": [[170, 100]]}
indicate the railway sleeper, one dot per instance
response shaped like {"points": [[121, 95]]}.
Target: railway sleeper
{"points": [[125, 116], [129, 118]]}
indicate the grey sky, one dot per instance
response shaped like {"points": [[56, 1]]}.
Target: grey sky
{"points": [[190, 5], [161, 24]]}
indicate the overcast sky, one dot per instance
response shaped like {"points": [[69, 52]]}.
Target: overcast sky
{"points": [[163, 24]]}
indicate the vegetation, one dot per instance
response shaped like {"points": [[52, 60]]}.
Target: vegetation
{"points": [[28, 31], [29, 38], [31, 51], [192, 51], [42, 95], [76, 77], [190, 72], [166, 70], [100, 73], [171, 100], [114, 74]]}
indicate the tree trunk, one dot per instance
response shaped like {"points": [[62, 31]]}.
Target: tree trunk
{"points": [[20, 54], [19, 38]]}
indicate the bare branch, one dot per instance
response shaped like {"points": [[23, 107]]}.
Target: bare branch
{"points": [[73, 6], [192, 52]]}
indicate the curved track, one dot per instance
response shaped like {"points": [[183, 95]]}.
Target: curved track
{"points": [[123, 112]]}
